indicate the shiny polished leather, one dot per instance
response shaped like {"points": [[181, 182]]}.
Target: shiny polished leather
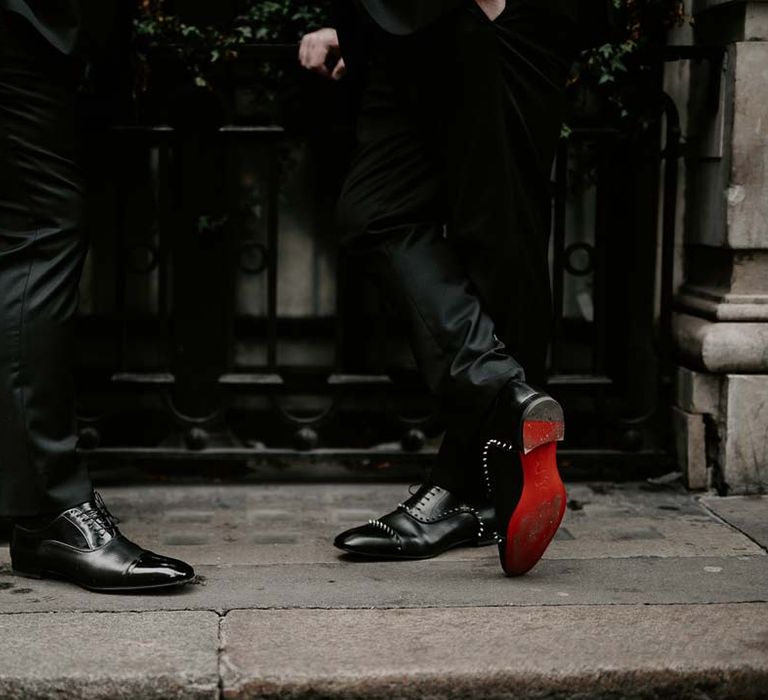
{"points": [[83, 545], [429, 523]]}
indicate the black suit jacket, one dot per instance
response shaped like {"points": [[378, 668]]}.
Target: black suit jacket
{"points": [[592, 18], [68, 24], [407, 16]]}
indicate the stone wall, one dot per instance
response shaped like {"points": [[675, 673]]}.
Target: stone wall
{"points": [[720, 323]]}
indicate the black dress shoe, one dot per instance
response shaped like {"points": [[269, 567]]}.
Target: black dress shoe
{"points": [[83, 546], [520, 469], [429, 523]]}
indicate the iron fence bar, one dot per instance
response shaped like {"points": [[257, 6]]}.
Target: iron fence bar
{"points": [[120, 271], [671, 154], [164, 223], [600, 282], [374, 466], [273, 194], [559, 225], [341, 295], [692, 53], [144, 378], [265, 51], [162, 133], [229, 208], [343, 382]]}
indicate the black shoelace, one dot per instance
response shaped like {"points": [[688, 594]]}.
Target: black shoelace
{"points": [[99, 517]]}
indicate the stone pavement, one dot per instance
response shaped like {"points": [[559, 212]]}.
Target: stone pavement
{"points": [[647, 592]]}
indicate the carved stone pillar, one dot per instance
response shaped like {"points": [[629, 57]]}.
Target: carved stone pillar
{"points": [[720, 324]]}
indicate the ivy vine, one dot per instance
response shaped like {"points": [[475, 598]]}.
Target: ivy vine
{"points": [[616, 69], [202, 48]]}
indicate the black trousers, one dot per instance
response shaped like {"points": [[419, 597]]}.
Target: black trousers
{"points": [[448, 201], [41, 256]]}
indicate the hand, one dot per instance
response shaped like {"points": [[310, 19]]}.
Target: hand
{"points": [[492, 8], [320, 49]]}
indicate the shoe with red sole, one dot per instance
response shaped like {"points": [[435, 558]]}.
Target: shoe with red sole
{"points": [[520, 469]]}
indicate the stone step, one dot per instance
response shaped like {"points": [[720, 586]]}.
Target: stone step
{"points": [[646, 594], [115, 656], [675, 652], [716, 652]]}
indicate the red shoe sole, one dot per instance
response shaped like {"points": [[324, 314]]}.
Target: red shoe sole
{"points": [[537, 433], [542, 503], [538, 514]]}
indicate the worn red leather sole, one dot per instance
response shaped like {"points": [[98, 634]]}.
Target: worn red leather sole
{"points": [[542, 501], [539, 512]]}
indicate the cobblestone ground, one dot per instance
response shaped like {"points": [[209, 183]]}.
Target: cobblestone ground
{"points": [[647, 592]]}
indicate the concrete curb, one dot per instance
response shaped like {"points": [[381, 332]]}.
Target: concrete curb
{"points": [[121, 656], [686, 652]]}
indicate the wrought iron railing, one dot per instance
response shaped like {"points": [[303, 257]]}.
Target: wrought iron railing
{"points": [[218, 323]]}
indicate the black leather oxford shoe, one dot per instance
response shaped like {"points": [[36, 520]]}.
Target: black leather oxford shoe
{"points": [[430, 522], [520, 468], [83, 546]]}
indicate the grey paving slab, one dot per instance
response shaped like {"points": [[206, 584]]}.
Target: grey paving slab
{"points": [[747, 513], [645, 593], [278, 524], [426, 584], [107, 655], [712, 652]]}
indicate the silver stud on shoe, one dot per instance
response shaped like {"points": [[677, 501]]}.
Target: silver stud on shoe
{"points": [[388, 531]]}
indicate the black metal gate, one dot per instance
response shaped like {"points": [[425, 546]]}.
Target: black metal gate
{"points": [[218, 325]]}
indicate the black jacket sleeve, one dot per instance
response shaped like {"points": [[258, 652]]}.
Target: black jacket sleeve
{"points": [[68, 24]]}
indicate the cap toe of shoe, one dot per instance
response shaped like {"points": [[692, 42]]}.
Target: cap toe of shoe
{"points": [[366, 540], [154, 569]]}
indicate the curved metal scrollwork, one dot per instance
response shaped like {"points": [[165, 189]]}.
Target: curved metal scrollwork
{"points": [[254, 257], [142, 258], [570, 257]]}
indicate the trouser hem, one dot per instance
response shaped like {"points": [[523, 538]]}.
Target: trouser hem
{"points": [[48, 506]]}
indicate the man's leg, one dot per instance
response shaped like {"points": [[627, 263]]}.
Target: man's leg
{"points": [[62, 529], [395, 181], [41, 255], [393, 211], [495, 255], [498, 149], [456, 466]]}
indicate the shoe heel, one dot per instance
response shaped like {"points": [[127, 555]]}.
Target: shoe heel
{"points": [[542, 423], [27, 573], [537, 433], [540, 511], [22, 566]]}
